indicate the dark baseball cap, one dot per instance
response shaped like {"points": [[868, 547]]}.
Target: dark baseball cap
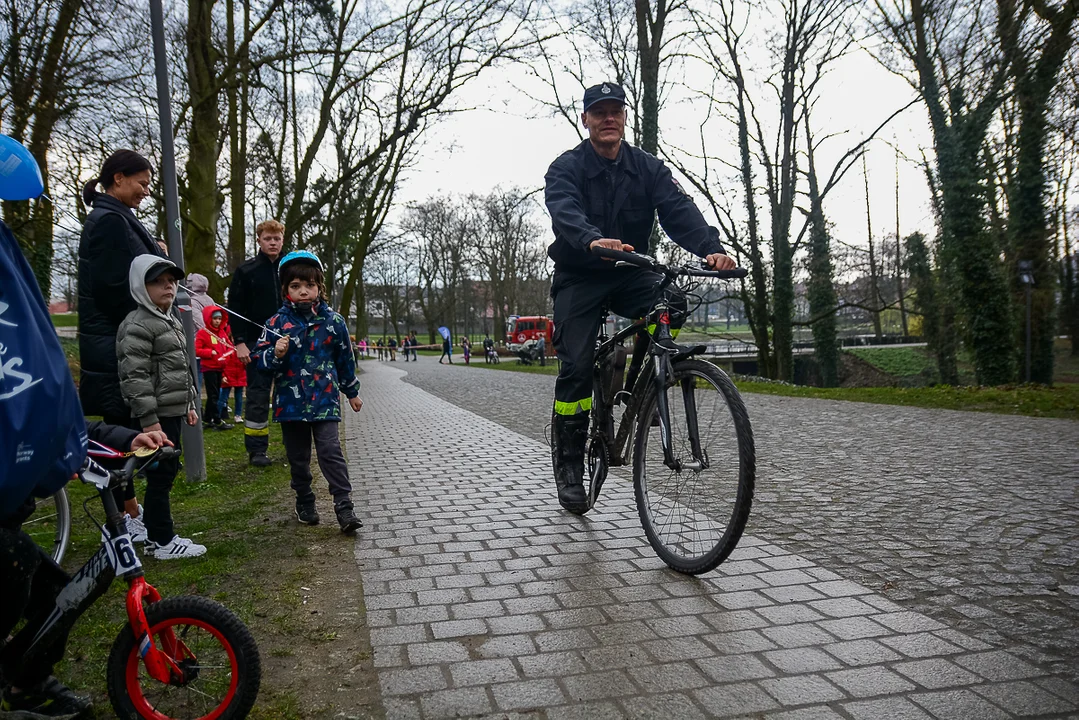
{"points": [[165, 266], [603, 91]]}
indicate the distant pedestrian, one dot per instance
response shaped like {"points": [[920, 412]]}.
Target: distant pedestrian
{"points": [[466, 348], [312, 364], [447, 351], [211, 344], [488, 350], [393, 349], [414, 343], [363, 346], [379, 345], [198, 285]]}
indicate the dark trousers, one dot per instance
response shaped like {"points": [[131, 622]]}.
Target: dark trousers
{"points": [[257, 410], [331, 460], [578, 304], [212, 380], [127, 490], [157, 509], [31, 581]]}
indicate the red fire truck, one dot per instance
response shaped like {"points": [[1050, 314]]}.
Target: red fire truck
{"points": [[526, 329]]}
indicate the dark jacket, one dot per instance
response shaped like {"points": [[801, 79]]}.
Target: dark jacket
{"points": [[255, 293], [111, 238], [318, 366], [590, 197]]}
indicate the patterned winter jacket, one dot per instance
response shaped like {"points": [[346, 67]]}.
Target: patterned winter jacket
{"points": [[317, 367]]}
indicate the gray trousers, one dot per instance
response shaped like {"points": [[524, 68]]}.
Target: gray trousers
{"points": [[297, 437]]}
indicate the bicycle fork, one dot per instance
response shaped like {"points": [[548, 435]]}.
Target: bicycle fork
{"points": [[664, 370]]}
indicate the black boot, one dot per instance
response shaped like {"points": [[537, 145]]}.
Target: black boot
{"points": [[570, 434]]}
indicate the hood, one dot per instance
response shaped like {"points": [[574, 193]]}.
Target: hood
{"points": [[197, 283], [208, 311], [136, 279]]}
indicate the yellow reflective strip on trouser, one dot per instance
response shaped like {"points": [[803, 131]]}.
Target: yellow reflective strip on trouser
{"points": [[572, 408], [252, 428]]}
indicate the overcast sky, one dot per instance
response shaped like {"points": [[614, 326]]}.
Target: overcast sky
{"points": [[506, 140]]}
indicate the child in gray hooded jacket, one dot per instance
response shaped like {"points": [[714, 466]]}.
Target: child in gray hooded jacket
{"points": [[156, 382]]}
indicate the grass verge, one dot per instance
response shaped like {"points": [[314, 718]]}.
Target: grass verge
{"points": [[65, 320], [260, 565]]}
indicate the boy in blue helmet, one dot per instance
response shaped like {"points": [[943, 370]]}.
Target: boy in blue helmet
{"points": [[307, 346]]}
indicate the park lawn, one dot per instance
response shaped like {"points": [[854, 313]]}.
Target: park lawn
{"points": [[65, 320], [898, 361], [257, 564]]}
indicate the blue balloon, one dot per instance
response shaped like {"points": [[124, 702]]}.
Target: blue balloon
{"points": [[20, 177]]}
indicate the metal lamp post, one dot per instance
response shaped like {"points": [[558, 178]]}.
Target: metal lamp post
{"points": [[194, 453], [1026, 276]]}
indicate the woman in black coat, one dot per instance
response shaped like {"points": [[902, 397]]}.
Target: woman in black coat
{"points": [[111, 238]]}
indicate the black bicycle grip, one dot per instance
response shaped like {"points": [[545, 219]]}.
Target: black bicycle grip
{"points": [[732, 274], [631, 258]]}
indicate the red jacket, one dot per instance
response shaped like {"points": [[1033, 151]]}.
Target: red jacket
{"points": [[212, 346], [235, 371]]}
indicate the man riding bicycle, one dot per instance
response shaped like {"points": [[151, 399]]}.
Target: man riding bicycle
{"points": [[606, 193]]}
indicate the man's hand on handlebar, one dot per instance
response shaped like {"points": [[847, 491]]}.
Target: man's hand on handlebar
{"points": [[610, 244], [719, 261], [151, 440]]}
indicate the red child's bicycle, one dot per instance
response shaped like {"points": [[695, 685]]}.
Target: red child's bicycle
{"points": [[184, 657]]}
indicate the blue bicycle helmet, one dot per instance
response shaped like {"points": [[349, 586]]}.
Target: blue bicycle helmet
{"points": [[299, 256]]}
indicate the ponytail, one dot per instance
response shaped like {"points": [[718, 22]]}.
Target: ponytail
{"points": [[125, 162]]}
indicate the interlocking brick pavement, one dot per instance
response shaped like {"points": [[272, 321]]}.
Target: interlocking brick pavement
{"points": [[485, 599], [970, 518]]}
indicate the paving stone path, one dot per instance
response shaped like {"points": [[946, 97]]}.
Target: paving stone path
{"points": [[484, 599], [971, 518]]}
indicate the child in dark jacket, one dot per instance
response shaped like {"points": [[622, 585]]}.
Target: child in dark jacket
{"points": [[310, 354], [212, 344], [156, 382]]}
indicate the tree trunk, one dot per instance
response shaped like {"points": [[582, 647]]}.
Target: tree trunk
{"points": [[202, 202], [874, 283], [237, 96], [821, 288]]}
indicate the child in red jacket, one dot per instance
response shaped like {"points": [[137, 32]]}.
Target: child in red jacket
{"points": [[211, 345], [234, 378]]}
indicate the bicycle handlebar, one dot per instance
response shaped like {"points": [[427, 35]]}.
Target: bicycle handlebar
{"points": [[646, 261]]}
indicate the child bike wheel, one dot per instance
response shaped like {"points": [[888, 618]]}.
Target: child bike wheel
{"points": [[215, 650], [693, 517]]}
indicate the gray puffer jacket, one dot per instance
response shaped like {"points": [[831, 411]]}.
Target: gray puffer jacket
{"points": [[155, 376]]}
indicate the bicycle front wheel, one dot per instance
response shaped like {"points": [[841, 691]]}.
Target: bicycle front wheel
{"points": [[694, 515], [50, 525], [214, 651]]}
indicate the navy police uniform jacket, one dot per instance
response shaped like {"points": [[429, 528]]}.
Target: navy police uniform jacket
{"points": [[590, 197]]}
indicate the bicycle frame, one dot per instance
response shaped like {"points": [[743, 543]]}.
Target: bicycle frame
{"points": [[660, 366], [116, 554]]}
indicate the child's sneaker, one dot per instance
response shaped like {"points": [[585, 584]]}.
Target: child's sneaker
{"points": [[346, 518], [174, 549], [136, 528], [307, 514], [238, 419], [48, 699]]}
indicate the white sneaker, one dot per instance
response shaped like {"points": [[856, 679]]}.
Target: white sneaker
{"points": [[238, 418], [135, 527], [178, 547]]}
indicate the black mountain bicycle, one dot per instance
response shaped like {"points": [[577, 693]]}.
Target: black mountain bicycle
{"points": [[694, 461], [182, 657]]}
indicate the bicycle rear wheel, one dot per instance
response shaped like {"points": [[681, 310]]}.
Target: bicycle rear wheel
{"points": [[50, 525], [693, 517]]}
